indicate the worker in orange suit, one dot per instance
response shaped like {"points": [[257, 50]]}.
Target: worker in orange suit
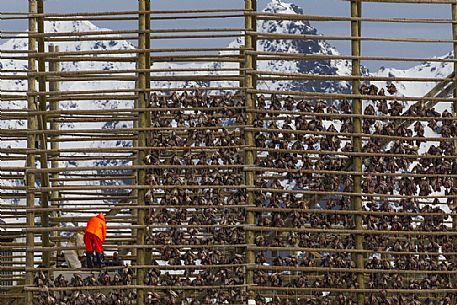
{"points": [[94, 237]]}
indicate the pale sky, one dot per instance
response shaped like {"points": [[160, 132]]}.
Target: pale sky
{"points": [[311, 7]]}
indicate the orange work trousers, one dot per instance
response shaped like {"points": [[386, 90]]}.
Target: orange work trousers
{"points": [[92, 241]]}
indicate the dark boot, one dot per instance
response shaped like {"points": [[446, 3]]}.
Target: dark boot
{"points": [[90, 259], [99, 259]]}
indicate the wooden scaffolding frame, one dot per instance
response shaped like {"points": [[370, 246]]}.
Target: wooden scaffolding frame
{"points": [[46, 184]]}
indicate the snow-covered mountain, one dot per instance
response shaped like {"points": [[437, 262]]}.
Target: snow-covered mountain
{"points": [[20, 43], [423, 70], [432, 70], [289, 46], [319, 67], [322, 67]]}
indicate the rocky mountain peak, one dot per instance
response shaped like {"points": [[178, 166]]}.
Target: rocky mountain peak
{"points": [[279, 7]]}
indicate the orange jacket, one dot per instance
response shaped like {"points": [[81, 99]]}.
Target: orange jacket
{"points": [[97, 226]]}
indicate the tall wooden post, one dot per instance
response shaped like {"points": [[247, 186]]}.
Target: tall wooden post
{"points": [[31, 145], [148, 254], [454, 37], [142, 123], [356, 12], [42, 126], [454, 110], [454, 104], [250, 155], [54, 86], [148, 66]]}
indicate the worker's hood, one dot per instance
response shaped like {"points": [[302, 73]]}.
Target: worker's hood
{"points": [[101, 216]]}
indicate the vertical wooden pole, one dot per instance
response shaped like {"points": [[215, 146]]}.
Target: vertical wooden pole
{"points": [[31, 145], [42, 125], [54, 86], [41, 60], [356, 12], [454, 37], [148, 43], [242, 69], [454, 110], [148, 254], [250, 155], [454, 104], [142, 123], [148, 66], [254, 44], [134, 192]]}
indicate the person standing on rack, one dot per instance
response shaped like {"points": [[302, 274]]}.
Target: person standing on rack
{"points": [[94, 237]]}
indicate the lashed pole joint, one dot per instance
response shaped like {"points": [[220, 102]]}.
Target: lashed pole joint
{"points": [[356, 12]]}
